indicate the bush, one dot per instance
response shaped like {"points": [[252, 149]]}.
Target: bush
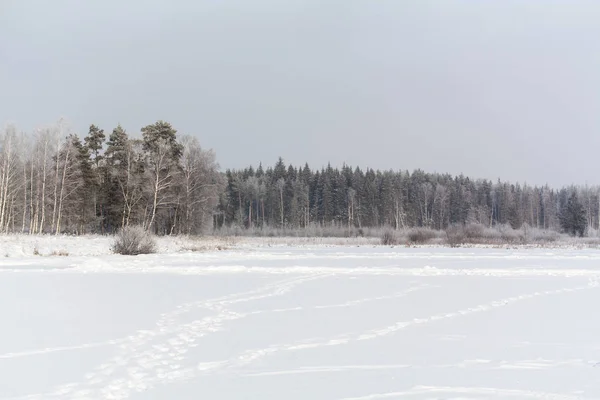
{"points": [[475, 230], [421, 235], [388, 238], [133, 240], [455, 235], [543, 236], [510, 235]]}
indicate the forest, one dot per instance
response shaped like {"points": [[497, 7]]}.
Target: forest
{"points": [[286, 196], [53, 181]]}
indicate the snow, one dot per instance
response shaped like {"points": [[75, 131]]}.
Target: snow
{"points": [[300, 322], [90, 245]]}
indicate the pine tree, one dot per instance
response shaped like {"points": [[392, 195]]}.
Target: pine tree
{"points": [[85, 200], [94, 142], [124, 179]]}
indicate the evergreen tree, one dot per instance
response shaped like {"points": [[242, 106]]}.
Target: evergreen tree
{"points": [[85, 202], [94, 142], [123, 179], [572, 218]]}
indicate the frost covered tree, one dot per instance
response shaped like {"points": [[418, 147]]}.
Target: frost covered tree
{"points": [[201, 186], [162, 155], [11, 183], [52, 181], [123, 183]]}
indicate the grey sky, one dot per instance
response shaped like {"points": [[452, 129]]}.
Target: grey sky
{"points": [[507, 89]]}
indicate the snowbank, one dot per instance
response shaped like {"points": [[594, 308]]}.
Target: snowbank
{"points": [[93, 245]]}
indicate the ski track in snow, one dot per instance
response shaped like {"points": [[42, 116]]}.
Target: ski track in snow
{"points": [[157, 356], [253, 355], [471, 392], [537, 364], [49, 350]]}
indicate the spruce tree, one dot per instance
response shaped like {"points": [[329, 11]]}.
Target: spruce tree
{"points": [[572, 218]]}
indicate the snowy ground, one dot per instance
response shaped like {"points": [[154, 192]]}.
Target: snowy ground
{"points": [[303, 323]]}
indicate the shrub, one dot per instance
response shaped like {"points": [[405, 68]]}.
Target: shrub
{"points": [[510, 235], [421, 235], [475, 230], [388, 238], [543, 236], [455, 235], [133, 240]]}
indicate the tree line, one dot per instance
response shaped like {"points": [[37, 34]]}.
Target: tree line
{"points": [[296, 197], [53, 181]]}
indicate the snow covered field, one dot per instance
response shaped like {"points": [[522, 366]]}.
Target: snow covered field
{"points": [[305, 323]]}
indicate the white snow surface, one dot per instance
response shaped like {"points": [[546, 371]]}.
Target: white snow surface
{"points": [[90, 245], [299, 323]]}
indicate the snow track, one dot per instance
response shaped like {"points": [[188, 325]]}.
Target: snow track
{"points": [[466, 393]]}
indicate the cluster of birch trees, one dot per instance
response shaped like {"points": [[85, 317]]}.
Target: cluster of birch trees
{"points": [[286, 196], [52, 181]]}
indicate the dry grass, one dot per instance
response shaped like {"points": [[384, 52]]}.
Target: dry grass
{"points": [[456, 235], [312, 231], [204, 247]]}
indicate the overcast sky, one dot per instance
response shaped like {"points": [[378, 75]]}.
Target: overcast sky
{"points": [[492, 89]]}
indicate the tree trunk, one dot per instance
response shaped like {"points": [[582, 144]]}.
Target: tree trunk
{"points": [[281, 205], [250, 215], [5, 180], [24, 195], [154, 200], [62, 190], [56, 187], [43, 200]]}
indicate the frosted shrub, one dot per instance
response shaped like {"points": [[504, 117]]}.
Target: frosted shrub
{"points": [[133, 240], [421, 235], [544, 236], [510, 235], [475, 230], [455, 235], [388, 238]]}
